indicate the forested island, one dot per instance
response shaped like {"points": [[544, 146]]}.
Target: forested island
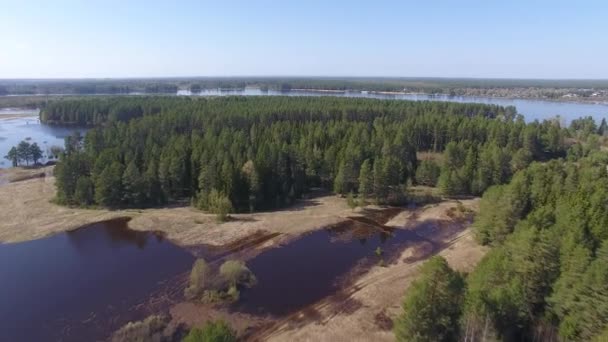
{"points": [[543, 187], [260, 153]]}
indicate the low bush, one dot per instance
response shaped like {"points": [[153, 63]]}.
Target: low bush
{"points": [[218, 331]]}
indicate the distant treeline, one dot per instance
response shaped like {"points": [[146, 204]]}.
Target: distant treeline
{"points": [[456, 86], [264, 152]]}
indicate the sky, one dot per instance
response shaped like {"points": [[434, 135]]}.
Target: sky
{"points": [[434, 38]]}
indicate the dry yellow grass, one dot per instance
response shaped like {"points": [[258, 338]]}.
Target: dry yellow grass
{"points": [[16, 174], [361, 312], [27, 213]]}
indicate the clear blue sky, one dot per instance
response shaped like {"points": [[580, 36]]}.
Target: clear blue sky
{"points": [[491, 38]]}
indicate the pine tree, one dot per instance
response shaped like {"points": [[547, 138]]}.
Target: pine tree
{"points": [[108, 186], [13, 156], [35, 152], [133, 185], [340, 181], [381, 185], [254, 185], [366, 180], [433, 304], [24, 152], [83, 193]]}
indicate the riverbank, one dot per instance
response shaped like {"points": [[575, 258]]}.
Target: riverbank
{"points": [[28, 213], [370, 298], [442, 96], [362, 310]]}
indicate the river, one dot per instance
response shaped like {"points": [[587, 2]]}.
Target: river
{"points": [[18, 124], [531, 109], [82, 285]]}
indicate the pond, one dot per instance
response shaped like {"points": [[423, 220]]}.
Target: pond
{"points": [[83, 284], [318, 264]]}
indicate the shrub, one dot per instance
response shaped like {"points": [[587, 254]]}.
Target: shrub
{"points": [[199, 279], [220, 205], [150, 329], [427, 173], [236, 273], [217, 331]]}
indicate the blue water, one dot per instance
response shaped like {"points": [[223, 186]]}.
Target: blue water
{"points": [[12, 131], [531, 109]]}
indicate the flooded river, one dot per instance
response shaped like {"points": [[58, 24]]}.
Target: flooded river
{"points": [[83, 284], [13, 128], [319, 263]]}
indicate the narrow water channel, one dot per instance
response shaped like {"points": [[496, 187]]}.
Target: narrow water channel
{"points": [[317, 264], [81, 285]]}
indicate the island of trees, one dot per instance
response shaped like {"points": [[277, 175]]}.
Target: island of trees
{"points": [[247, 154]]}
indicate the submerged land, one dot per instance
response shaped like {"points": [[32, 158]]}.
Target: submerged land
{"points": [[362, 310], [270, 200]]}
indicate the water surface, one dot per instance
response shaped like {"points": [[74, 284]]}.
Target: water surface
{"points": [[12, 131], [81, 285], [319, 263], [28, 127], [531, 109]]}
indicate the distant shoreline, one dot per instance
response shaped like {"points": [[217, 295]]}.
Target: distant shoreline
{"points": [[574, 100]]}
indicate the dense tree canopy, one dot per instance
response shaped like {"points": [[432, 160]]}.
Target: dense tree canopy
{"points": [[254, 153], [549, 267]]}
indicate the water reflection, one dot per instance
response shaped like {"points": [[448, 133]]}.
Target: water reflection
{"points": [[82, 284]]}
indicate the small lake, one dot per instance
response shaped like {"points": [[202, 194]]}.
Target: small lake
{"points": [[82, 285], [20, 124], [319, 263]]}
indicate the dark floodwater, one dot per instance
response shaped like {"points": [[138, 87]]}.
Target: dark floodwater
{"points": [[315, 265], [79, 285]]}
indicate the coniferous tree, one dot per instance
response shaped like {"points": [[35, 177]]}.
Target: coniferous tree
{"points": [[13, 156], [366, 180], [432, 306], [83, 194], [109, 186], [133, 185]]}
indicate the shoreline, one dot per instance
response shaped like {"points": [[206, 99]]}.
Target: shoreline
{"points": [[601, 102], [368, 297], [572, 100]]}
